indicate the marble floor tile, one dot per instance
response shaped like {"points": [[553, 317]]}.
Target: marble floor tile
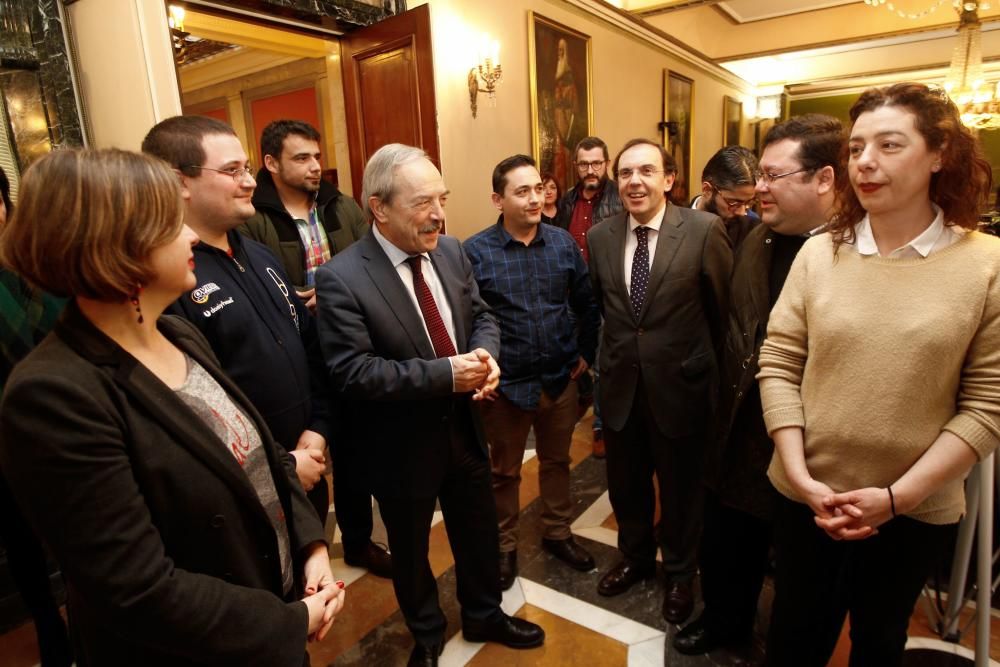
{"points": [[583, 628]]}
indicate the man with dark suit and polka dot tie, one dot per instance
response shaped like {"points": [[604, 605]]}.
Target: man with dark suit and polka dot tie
{"points": [[661, 275]]}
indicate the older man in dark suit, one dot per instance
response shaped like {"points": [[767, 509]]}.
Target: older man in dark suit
{"points": [[661, 274], [409, 344]]}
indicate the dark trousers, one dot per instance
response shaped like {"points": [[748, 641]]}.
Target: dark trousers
{"points": [[27, 563], [634, 454], [733, 562], [470, 518], [352, 498], [819, 581]]}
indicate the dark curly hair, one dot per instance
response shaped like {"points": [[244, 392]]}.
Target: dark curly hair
{"points": [[962, 185]]}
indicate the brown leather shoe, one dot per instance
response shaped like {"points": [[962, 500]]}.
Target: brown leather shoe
{"points": [[599, 449], [622, 576], [678, 603]]}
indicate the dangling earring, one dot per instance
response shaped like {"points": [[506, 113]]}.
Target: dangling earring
{"points": [[134, 300]]}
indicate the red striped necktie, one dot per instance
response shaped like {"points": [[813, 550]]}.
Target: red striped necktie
{"points": [[443, 347]]}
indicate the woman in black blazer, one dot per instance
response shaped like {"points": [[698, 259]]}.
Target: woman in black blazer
{"points": [[181, 530]]}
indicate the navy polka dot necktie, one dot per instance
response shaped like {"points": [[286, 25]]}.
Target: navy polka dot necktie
{"points": [[640, 269]]}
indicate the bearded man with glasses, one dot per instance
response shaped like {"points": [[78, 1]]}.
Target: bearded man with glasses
{"points": [[727, 190], [262, 333]]}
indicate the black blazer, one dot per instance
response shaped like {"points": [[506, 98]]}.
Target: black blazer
{"points": [[676, 336], [395, 397], [168, 555]]}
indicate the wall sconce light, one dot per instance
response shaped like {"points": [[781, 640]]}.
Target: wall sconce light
{"points": [[489, 71], [175, 18]]}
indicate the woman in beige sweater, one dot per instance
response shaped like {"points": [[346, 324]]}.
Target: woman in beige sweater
{"points": [[880, 380]]}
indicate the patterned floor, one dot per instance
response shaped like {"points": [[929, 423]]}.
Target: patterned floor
{"points": [[582, 627]]}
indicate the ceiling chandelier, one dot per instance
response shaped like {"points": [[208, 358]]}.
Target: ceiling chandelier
{"points": [[976, 99]]}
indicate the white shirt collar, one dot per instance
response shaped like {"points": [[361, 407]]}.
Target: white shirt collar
{"points": [[395, 255], [653, 224], [923, 243]]}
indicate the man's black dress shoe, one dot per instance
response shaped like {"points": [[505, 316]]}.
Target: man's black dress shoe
{"points": [[424, 656], [373, 557], [695, 638], [570, 552], [510, 631], [508, 569], [622, 576], [678, 603]]}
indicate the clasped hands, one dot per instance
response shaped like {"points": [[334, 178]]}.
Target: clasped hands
{"points": [[476, 371], [324, 597], [851, 515]]}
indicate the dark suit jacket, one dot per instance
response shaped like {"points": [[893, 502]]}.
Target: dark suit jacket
{"points": [[168, 555], [675, 338], [738, 456], [396, 401]]}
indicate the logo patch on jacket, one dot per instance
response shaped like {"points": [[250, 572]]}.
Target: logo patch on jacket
{"points": [[200, 294], [208, 312]]}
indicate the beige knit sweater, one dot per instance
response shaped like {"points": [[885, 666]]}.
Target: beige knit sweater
{"points": [[874, 357]]}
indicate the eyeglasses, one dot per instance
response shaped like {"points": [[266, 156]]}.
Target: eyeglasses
{"points": [[771, 178], [587, 166], [645, 171], [236, 173], [734, 204]]}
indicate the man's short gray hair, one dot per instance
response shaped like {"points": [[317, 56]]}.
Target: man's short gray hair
{"points": [[380, 173]]}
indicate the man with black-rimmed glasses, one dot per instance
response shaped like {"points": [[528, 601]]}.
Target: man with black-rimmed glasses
{"points": [[727, 190], [244, 302], [795, 184]]}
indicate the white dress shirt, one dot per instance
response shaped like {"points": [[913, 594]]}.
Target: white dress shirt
{"points": [[398, 260], [936, 237], [631, 242]]}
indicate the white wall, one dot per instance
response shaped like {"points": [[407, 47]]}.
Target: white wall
{"points": [[126, 71]]}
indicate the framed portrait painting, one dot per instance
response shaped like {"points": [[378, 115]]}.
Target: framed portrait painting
{"points": [[678, 102], [561, 95], [732, 120]]}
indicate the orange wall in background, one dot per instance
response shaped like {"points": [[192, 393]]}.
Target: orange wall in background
{"points": [[294, 105], [219, 114]]}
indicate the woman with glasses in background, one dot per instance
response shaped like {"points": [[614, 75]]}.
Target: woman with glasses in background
{"points": [[180, 529], [880, 380]]}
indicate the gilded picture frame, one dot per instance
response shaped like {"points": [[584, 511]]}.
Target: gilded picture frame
{"points": [[678, 114], [561, 95], [732, 121]]}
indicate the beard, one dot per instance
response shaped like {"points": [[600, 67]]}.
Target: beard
{"points": [[562, 67], [592, 186], [710, 205]]}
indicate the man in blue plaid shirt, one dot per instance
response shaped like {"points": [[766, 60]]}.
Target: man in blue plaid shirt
{"points": [[535, 279]]}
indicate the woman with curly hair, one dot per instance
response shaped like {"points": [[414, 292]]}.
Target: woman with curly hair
{"points": [[880, 380]]}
